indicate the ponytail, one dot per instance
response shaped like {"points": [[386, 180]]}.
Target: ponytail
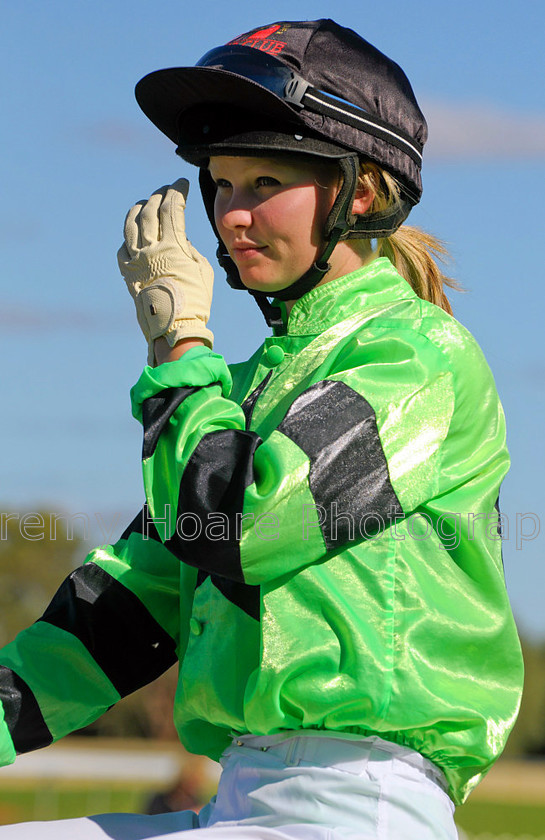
{"points": [[412, 251]]}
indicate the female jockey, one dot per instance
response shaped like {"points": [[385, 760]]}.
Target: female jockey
{"points": [[319, 547]]}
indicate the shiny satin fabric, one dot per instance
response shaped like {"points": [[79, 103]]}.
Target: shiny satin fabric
{"points": [[401, 627]]}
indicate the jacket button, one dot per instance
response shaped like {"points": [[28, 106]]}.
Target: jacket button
{"points": [[274, 355], [195, 626]]}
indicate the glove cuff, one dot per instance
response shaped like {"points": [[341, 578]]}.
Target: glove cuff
{"points": [[189, 328]]}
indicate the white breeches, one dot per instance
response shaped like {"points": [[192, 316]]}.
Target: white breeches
{"points": [[301, 787]]}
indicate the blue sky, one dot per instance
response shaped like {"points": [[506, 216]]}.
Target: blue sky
{"points": [[77, 152]]}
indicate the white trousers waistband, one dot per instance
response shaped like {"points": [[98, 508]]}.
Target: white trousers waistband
{"points": [[332, 749]]}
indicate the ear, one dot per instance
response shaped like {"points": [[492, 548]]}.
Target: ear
{"points": [[363, 200]]}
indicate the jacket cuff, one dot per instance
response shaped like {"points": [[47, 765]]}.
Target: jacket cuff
{"points": [[197, 368]]}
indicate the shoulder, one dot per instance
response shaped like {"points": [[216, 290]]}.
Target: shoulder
{"points": [[472, 378], [444, 346], [410, 347], [428, 333]]}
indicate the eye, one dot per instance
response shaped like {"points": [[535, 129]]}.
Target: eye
{"points": [[222, 183], [267, 181]]}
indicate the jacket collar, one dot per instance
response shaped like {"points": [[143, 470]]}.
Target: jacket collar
{"points": [[370, 286]]}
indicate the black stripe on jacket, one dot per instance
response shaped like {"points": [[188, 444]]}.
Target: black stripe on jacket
{"points": [[213, 486], [123, 638], [349, 479], [157, 411], [22, 714], [336, 427]]}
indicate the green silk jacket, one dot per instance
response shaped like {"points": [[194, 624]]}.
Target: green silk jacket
{"points": [[320, 548]]}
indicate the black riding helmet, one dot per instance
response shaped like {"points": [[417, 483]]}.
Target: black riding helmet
{"points": [[311, 87]]}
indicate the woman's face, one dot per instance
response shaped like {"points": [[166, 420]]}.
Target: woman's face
{"points": [[271, 213]]}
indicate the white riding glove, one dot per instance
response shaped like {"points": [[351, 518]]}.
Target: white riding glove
{"points": [[169, 281]]}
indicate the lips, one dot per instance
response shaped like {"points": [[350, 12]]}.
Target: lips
{"points": [[246, 250]]}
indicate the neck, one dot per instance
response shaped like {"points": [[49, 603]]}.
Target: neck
{"points": [[348, 257]]}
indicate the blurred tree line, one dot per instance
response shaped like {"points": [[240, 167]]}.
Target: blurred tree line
{"points": [[38, 550]]}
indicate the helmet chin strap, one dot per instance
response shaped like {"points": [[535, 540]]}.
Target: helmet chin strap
{"points": [[308, 281], [296, 290], [315, 273], [338, 223]]}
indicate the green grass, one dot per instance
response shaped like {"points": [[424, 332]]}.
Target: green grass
{"points": [[50, 802], [502, 818]]}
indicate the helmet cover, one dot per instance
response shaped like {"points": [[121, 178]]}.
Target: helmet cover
{"points": [[310, 87], [356, 97]]}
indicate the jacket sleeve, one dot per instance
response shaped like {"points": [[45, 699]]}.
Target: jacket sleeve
{"points": [[113, 626], [353, 449]]}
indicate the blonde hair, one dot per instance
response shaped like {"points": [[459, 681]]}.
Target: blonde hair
{"points": [[413, 252]]}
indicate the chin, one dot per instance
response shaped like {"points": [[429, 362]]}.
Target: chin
{"points": [[269, 287]]}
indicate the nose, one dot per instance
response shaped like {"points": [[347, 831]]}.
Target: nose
{"points": [[234, 211], [236, 218]]}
